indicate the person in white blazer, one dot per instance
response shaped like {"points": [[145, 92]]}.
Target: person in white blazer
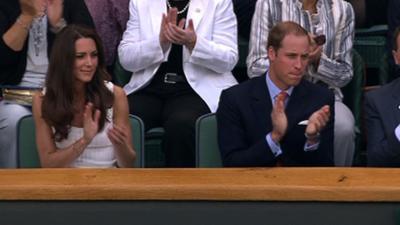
{"points": [[181, 53]]}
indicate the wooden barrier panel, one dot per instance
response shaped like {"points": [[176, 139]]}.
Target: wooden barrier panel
{"points": [[241, 184]]}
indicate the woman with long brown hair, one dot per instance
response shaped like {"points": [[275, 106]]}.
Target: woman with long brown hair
{"points": [[28, 29], [81, 119]]}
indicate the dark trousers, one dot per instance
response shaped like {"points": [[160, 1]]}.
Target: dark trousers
{"points": [[176, 111]]}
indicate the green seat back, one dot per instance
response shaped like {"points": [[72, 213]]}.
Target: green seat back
{"points": [[27, 151], [353, 91], [353, 94], [155, 156], [137, 127], [153, 138], [370, 43], [121, 76], [207, 151]]}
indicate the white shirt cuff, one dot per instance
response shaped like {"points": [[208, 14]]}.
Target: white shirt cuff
{"points": [[275, 147]]}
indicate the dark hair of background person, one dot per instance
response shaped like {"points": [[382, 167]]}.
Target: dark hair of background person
{"points": [[57, 107], [281, 30]]}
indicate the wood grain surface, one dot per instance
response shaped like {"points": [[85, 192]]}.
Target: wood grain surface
{"points": [[242, 184]]}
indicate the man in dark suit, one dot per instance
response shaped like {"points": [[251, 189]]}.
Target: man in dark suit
{"points": [[382, 110], [278, 118]]}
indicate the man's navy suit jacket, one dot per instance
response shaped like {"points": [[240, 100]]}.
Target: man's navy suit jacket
{"points": [[382, 110], [244, 120]]}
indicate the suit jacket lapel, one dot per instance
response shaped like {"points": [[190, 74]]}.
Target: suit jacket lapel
{"points": [[196, 11], [261, 103], [156, 9]]}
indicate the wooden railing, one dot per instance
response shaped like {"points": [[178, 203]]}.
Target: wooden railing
{"points": [[242, 184]]}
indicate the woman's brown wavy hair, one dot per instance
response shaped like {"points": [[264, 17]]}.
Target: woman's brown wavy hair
{"points": [[57, 107]]}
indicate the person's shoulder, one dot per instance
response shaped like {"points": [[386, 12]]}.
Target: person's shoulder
{"points": [[137, 1], [347, 5], [119, 3], [217, 2], [317, 90], [340, 4], [245, 87], [117, 90], [384, 91]]}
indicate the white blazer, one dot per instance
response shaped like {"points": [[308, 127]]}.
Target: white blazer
{"points": [[207, 68]]}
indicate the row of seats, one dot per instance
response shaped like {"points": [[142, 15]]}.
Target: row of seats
{"points": [[207, 153]]}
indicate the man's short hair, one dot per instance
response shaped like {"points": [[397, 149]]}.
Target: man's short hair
{"points": [[281, 30]]}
